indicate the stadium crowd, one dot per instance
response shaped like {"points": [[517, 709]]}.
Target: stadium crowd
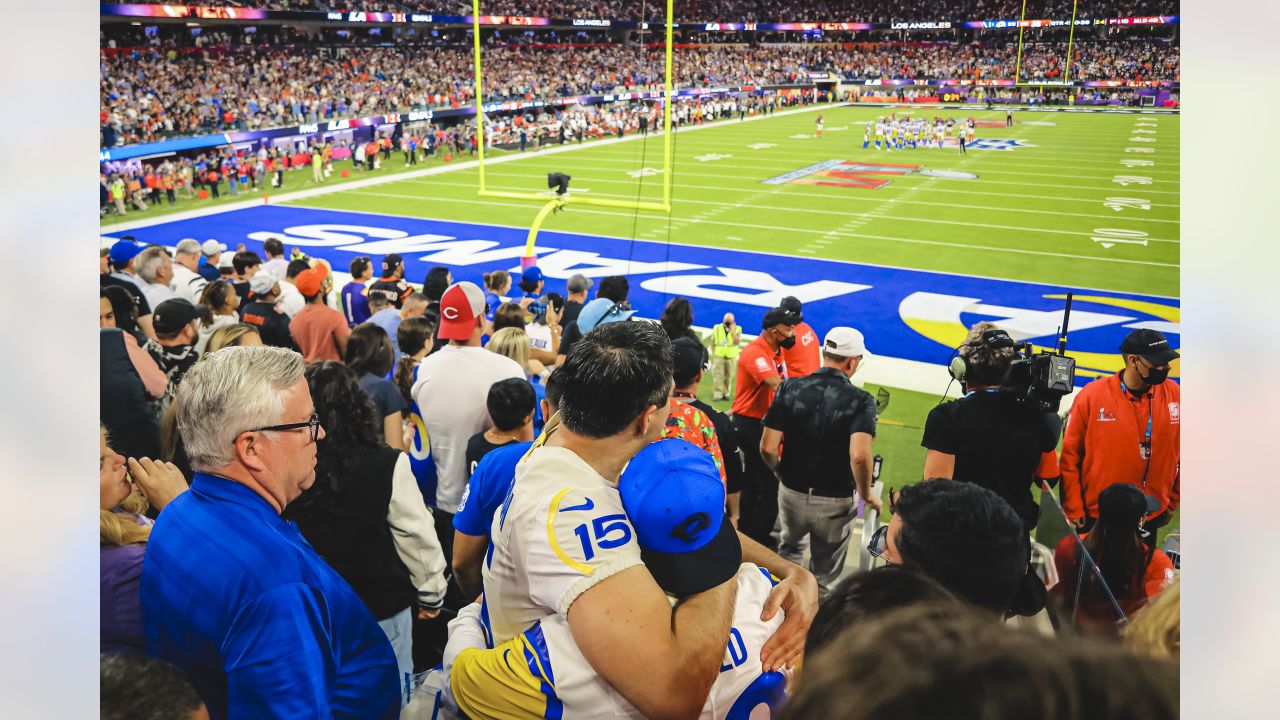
{"points": [[743, 10], [151, 93], [305, 483]]}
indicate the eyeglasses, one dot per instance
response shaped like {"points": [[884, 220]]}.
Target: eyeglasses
{"points": [[313, 424], [880, 544]]}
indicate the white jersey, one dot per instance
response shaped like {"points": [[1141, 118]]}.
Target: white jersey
{"points": [[559, 532], [541, 672]]}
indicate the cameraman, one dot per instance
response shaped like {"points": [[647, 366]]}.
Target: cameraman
{"points": [[990, 437]]}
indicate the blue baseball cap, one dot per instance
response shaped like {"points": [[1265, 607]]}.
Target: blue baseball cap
{"points": [[601, 311], [531, 275], [124, 251], [674, 497]]}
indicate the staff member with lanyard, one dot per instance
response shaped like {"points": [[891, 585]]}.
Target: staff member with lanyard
{"points": [[760, 372], [1125, 428]]}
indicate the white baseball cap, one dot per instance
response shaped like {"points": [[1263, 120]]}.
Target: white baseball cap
{"points": [[845, 342], [212, 247]]}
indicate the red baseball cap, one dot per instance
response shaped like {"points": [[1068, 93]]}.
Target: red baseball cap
{"points": [[311, 280], [460, 305]]}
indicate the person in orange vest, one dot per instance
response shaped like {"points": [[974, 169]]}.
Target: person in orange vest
{"points": [[1126, 428], [212, 178], [805, 355]]}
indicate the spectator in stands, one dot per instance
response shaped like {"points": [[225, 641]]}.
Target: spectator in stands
{"points": [[1125, 428], [238, 335], [508, 315], [496, 286], [291, 301], [438, 280], [320, 331], [967, 538], [177, 324], [576, 296], [155, 270], [123, 534], [511, 405], [121, 260], [223, 305], [990, 437], [416, 338], [133, 686], [677, 320], [531, 284], [867, 596], [414, 306], [613, 288], [392, 284], [364, 515], [246, 264], [279, 632], [490, 480], [354, 302], [264, 312], [450, 393], [212, 251], [827, 425], [187, 283], [806, 355], [726, 345], [685, 421], [688, 370], [122, 308], [759, 375], [949, 661], [130, 382], [371, 358], [1156, 629], [1134, 572], [275, 264]]}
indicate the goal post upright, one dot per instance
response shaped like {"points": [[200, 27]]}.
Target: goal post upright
{"points": [[479, 102]]}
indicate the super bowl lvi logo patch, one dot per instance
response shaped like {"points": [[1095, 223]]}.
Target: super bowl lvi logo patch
{"points": [[1174, 412]]}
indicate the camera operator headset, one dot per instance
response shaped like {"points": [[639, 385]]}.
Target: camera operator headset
{"points": [[992, 436]]}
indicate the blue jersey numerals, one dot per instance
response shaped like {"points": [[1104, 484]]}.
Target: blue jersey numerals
{"points": [[605, 532]]}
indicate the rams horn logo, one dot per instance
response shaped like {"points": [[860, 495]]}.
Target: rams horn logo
{"points": [[692, 527]]}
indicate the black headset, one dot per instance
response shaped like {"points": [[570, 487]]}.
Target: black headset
{"points": [[994, 339]]}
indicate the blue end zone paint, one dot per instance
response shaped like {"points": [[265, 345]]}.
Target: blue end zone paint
{"points": [[907, 314]]}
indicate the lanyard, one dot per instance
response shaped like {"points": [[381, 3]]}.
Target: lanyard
{"points": [[1144, 445]]}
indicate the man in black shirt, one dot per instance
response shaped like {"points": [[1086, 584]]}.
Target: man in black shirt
{"points": [[392, 284], [989, 437], [246, 264], [688, 369], [177, 326], [511, 405], [576, 297], [263, 313], [615, 288], [827, 424]]}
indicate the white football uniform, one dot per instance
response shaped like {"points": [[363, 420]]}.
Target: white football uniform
{"points": [[540, 673]]}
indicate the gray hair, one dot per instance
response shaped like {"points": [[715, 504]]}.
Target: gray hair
{"points": [[189, 246], [229, 392], [150, 261]]}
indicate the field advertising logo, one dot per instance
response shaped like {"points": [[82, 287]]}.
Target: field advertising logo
{"points": [[859, 175]]}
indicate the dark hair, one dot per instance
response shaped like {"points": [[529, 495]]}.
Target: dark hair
{"points": [[414, 334], [509, 402], [378, 301], [1120, 554], [965, 537], [273, 247], [216, 294], [555, 300], [296, 268], [132, 686], [244, 260], [986, 365], [358, 266], [351, 427], [677, 318], [123, 305], [435, 283], [614, 287], [868, 595], [508, 315], [612, 375], [369, 350], [952, 662], [552, 387], [528, 285]]}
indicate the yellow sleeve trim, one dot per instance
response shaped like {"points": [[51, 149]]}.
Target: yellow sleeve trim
{"points": [[551, 536]]}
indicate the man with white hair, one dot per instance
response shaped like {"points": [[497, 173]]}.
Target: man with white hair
{"points": [[187, 282], [155, 268], [231, 593]]}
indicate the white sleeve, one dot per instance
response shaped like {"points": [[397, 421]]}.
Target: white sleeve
{"points": [[465, 632], [414, 532]]}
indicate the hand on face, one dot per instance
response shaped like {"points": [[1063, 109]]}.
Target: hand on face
{"points": [[113, 480]]}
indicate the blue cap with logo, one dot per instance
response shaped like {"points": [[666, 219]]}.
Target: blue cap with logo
{"points": [[124, 251], [532, 274], [674, 497], [601, 311]]}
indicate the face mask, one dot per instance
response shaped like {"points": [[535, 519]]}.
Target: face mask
{"points": [[1156, 376], [788, 342]]}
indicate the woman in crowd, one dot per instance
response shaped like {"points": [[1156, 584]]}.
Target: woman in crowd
{"points": [[123, 533], [223, 303], [416, 337], [496, 286], [365, 515], [1133, 570], [677, 320], [514, 343], [1157, 628], [116, 306], [236, 335], [370, 357]]}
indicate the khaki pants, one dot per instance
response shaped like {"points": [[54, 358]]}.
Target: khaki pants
{"points": [[722, 375]]}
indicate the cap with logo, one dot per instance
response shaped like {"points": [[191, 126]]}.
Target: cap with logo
{"points": [[174, 314], [460, 305], [579, 283], [792, 305], [262, 284], [124, 251], [531, 275], [1150, 345], [390, 262], [310, 281], [1125, 504], [601, 311], [674, 499], [845, 342], [212, 247], [778, 316]]}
